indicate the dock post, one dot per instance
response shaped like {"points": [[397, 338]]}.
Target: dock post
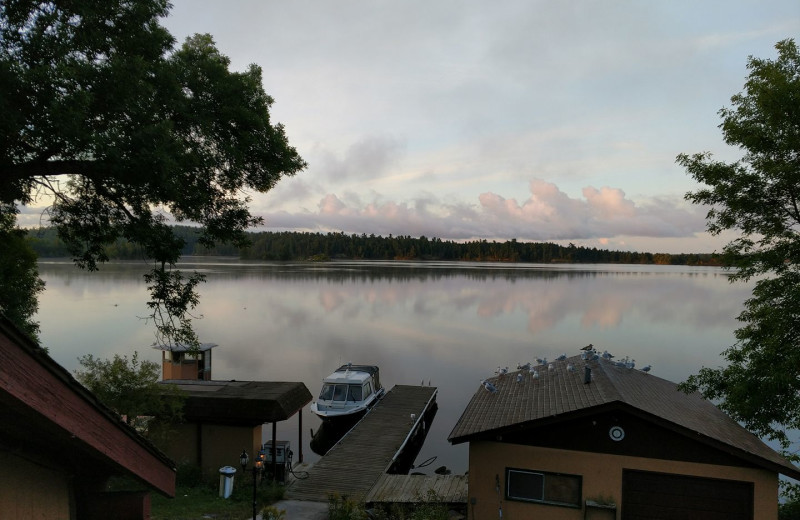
{"points": [[275, 452], [300, 437]]}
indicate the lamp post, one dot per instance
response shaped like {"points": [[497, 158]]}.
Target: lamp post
{"points": [[257, 464]]}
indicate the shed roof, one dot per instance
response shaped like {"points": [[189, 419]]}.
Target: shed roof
{"points": [[180, 347], [242, 402], [560, 394]]}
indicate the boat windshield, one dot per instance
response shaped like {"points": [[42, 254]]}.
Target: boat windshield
{"points": [[354, 393], [340, 392]]}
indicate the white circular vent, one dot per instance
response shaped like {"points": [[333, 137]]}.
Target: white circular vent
{"points": [[616, 433]]}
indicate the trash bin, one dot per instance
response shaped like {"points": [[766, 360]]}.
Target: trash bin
{"points": [[226, 481]]}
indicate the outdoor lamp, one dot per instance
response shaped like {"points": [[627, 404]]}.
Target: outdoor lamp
{"points": [[243, 459]]}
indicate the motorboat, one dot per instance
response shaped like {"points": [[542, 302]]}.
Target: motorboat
{"points": [[348, 393]]}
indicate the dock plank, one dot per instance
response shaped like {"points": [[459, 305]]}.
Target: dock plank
{"points": [[447, 489], [359, 460]]}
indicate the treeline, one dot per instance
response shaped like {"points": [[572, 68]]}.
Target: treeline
{"points": [[286, 246]]}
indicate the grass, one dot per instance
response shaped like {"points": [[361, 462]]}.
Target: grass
{"points": [[202, 501]]}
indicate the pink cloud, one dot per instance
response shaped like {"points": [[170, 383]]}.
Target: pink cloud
{"points": [[546, 214]]}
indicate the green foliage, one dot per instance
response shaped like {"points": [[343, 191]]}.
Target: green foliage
{"points": [[19, 275], [427, 507], [325, 246], [322, 247], [758, 196], [342, 507], [172, 298], [106, 117], [130, 387], [203, 501], [789, 511], [188, 475], [273, 513]]}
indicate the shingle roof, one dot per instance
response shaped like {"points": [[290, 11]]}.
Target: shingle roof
{"points": [[241, 402], [558, 393]]}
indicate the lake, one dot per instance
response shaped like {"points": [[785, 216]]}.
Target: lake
{"points": [[450, 324]]}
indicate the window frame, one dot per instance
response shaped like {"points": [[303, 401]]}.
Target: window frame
{"points": [[544, 475]]}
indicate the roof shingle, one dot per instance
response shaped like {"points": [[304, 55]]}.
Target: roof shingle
{"points": [[558, 392]]}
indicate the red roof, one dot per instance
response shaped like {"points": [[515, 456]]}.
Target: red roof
{"points": [[45, 411]]}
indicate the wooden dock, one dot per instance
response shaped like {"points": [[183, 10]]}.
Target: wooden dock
{"points": [[413, 489], [367, 452]]}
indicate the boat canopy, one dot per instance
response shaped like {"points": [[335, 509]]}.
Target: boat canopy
{"points": [[355, 374]]}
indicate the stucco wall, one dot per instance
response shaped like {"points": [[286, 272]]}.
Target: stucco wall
{"points": [[30, 491], [221, 445], [602, 475]]}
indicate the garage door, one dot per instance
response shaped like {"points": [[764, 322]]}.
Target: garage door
{"points": [[647, 495]]}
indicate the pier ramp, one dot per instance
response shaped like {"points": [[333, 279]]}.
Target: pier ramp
{"points": [[370, 449]]}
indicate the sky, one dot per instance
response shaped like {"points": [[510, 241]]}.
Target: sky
{"points": [[541, 121]]}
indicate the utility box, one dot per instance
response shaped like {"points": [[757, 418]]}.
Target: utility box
{"points": [[226, 474], [283, 459]]}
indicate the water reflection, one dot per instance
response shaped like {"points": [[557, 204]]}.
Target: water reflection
{"points": [[450, 324]]}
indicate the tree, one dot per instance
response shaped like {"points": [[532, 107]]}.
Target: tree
{"points": [[103, 114], [759, 196], [19, 275], [130, 387]]}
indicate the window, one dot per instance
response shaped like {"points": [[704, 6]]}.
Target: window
{"points": [[367, 389], [547, 488], [355, 393], [326, 394], [340, 393]]}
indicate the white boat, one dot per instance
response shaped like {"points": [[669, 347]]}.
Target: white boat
{"points": [[348, 392]]}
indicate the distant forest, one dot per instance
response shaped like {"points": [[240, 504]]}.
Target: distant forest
{"points": [[289, 245]]}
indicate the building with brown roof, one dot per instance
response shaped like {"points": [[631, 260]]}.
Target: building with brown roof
{"points": [[59, 445], [570, 443], [220, 418]]}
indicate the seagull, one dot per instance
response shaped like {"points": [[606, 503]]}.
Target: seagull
{"points": [[541, 361], [535, 374], [631, 363], [526, 366], [519, 377], [550, 367], [489, 387], [502, 371], [588, 347], [646, 368], [570, 367], [607, 355], [562, 357]]}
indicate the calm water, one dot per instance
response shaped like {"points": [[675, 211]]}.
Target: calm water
{"points": [[450, 324]]}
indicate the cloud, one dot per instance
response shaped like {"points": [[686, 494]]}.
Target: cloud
{"points": [[547, 214], [368, 158]]}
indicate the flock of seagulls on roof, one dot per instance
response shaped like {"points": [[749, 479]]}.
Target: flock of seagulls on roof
{"points": [[588, 353]]}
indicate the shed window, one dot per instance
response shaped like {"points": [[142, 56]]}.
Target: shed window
{"points": [[538, 486]]}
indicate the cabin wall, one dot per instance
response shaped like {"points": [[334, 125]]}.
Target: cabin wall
{"points": [[601, 475], [179, 370], [28, 490], [213, 446]]}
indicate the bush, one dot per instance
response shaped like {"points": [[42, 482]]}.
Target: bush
{"points": [[188, 475]]}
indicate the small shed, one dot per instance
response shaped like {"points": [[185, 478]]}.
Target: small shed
{"points": [[186, 362], [593, 439], [59, 445], [222, 417]]}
